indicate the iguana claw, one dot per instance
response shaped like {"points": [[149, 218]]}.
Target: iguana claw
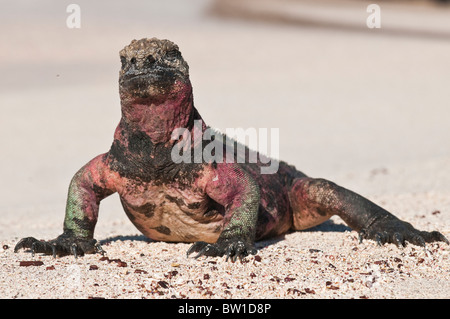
{"points": [[233, 249], [392, 230], [62, 245]]}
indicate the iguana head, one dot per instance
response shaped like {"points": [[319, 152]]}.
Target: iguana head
{"points": [[150, 67], [154, 87]]}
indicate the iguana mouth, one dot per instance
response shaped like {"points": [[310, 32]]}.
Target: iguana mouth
{"points": [[154, 74], [150, 77]]}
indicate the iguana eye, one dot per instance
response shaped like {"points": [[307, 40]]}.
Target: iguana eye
{"points": [[123, 60], [173, 54]]}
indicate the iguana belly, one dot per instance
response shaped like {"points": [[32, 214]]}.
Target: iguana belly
{"points": [[172, 214]]}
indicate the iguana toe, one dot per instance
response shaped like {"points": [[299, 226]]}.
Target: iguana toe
{"points": [[232, 249], [61, 246], [393, 230]]}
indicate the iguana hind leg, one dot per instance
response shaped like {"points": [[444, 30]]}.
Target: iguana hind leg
{"points": [[314, 201]]}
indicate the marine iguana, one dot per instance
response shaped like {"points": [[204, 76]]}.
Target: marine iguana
{"points": [[221, 207]]}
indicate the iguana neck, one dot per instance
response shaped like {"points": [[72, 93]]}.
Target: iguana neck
{"points": [[159, 116]]}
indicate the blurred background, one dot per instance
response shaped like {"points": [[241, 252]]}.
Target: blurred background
{"points": [[352, 103]]}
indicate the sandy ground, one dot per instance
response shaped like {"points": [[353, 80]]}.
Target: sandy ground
{"points": [[365, 108]]}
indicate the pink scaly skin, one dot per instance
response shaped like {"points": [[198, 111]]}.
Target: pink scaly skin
{"points": [[223, 208]]}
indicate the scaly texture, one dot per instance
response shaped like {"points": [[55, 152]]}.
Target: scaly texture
{"points": [[221, 207]]}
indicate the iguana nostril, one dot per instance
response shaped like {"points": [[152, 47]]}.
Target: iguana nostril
{"points": [[149, 60], [133, 60]]}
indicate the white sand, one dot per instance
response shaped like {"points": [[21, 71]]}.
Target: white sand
{"points": [[366, 110]]}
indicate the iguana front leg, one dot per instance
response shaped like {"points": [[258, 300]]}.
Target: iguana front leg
{"points": [[92, 183], [233, 188]]}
